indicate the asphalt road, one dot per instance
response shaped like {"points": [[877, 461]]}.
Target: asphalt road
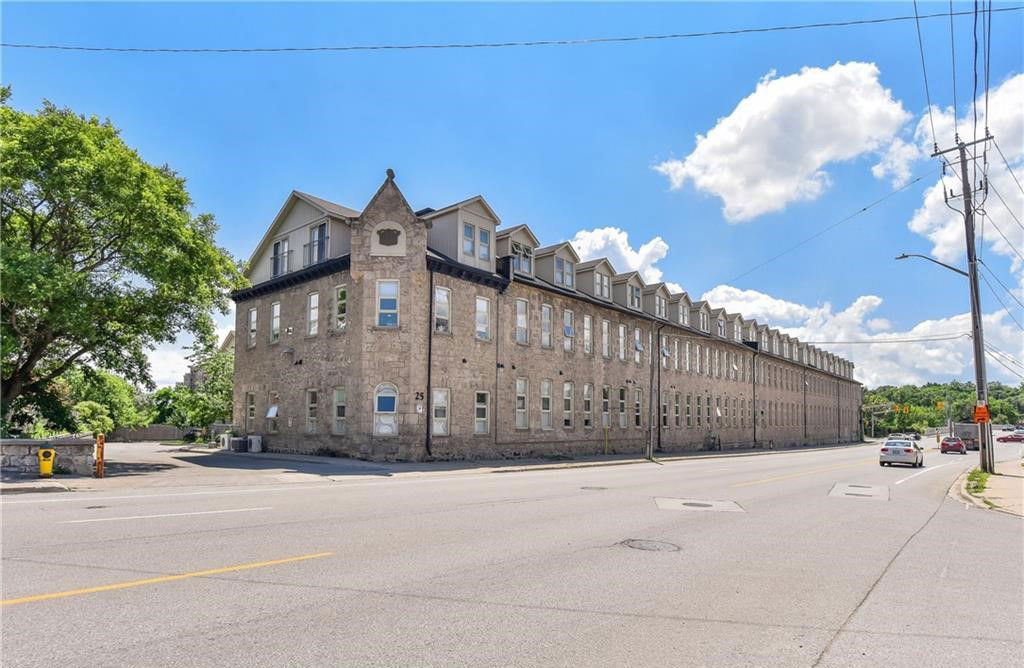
{"points": [[764, 568]]}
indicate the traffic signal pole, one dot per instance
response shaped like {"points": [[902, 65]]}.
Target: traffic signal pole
{"points": [[985, 455]]}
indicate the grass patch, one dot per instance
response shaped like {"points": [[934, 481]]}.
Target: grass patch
{"points": [[976, 482]]}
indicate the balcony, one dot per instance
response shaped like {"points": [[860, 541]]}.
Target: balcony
{"points": [[314, 252], [280, 264]]}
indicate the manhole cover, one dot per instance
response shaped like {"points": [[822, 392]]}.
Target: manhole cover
{"points": [[698, 505], [593, 488], [650, 545], [694, 504]]}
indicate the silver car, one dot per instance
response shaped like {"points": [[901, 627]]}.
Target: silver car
{"points": [[901, 452]]}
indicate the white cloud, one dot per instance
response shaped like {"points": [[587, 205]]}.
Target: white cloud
{"points": [[879, 363], [770, 151], [613, 243], [896, 162], [943, 227]]}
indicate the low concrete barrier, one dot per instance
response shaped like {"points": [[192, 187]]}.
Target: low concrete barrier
{"points": [[74, 455]]}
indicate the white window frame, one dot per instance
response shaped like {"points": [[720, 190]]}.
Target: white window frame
{"points": [[638, 346], [638, 407], [602, 285], [250, 412], [522, 404], [481, 423], [381, 418], [659, 306], [270, 419], [689, 410], [486, 334], [588, 334], [253, 321], [588, 406], [279, 250], [568, 330], [565, 272], [664, 409], [442, 316], [546, 325], [622, 343], [623, 416], [634, 296], [470, 239], [606, 406], [567, 404], [338, 424], [275, 322], [606, 339], [340, 307], [484, 244], [546, 421], [312, 406], [397, 311], [440, 411], [313, 313], [522, 307]]}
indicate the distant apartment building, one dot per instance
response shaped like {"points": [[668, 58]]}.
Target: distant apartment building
{"points": [[390, 333]]}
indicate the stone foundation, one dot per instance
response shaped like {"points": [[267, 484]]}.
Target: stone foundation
{"points": [[19, 456]]}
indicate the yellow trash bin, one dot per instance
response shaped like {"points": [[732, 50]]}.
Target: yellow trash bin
{"points": [[46, 457]]}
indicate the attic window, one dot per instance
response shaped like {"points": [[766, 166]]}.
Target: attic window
{"points": [[522, 258]]}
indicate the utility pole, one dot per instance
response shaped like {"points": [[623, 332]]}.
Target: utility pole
{"points": [[985, 454]]}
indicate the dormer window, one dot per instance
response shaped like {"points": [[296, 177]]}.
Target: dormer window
{"points": [[485, 245], [634, 296], [316, 249], [564, 273], [659, 306], [704, 322], [721, 328], [522, 258], [280, 257], [468, 240], [602, 285], [684, 315]]}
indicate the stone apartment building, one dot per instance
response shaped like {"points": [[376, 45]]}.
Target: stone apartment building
{"points": [[399, 334]]}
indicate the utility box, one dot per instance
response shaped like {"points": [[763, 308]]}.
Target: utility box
{"points": [[239, 445], [256, 443]]}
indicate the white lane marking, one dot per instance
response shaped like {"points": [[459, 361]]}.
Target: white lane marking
{"points": [[149, 517], [927, 470], [87, 497]]}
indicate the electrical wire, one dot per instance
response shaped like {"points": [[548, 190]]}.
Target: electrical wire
{"points": [[924, 71], [497, 45], [950, 337], [1000, 363], [1007, 163], [1008, 291], [1005, 355], [832, 226], [1005, 307], [952, 51]]}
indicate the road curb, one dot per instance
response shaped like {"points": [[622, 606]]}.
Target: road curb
{"points": [[978, 502], [11, 489]]}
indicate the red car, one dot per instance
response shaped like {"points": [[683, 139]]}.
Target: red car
{"points": [[1011, 438], [953, 444]]}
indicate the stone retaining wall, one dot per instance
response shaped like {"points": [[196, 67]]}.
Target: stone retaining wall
{"points": [[74, 455]]}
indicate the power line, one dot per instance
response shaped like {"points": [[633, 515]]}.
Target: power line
{"points": [[929, 339], [1008, 209], [1005, 307], [831, 227], [1008, 291], [1000, 363], [952, 51], [924, 71], [1007, 163], [1005, 355], [497, 45]]}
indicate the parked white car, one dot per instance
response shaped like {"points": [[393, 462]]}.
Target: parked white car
{"points": [[901, 452]]}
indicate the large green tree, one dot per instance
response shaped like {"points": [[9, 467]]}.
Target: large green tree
{"points": [[102, 257]]}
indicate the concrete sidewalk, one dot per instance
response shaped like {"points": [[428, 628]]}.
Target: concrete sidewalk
{"points": [[29, 485], [1005, 489]]}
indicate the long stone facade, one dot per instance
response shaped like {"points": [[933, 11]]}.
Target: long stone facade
{"points": [[471, 362]]}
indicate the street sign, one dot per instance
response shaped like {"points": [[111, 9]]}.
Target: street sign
{"points": [[981, 414]]}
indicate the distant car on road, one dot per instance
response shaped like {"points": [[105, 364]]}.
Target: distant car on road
{"points": [[953, 444], [896, 436], [1015, 437], [914, 435], [901, 452]]}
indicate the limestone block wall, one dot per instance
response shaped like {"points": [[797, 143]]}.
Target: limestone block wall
{"points": [[74, 456]]}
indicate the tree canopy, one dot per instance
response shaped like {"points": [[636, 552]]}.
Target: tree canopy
{"points": [[102, 258], [930, 405]]}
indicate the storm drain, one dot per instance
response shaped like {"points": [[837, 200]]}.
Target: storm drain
{"points": [[650, 545], [876, 492], [698, 504]]}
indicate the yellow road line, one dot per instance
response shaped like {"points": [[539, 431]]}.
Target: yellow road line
{"points": [[803, 473], [163, 578]]}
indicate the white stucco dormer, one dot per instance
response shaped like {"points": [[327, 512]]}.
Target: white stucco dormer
{"points": [[465, 232]]}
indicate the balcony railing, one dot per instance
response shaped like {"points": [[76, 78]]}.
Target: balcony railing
{"points": [[280, 264], [314, 252]]}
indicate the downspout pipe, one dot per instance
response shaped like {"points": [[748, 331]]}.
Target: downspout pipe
{"points": [[430, 365], [655, 400], [753, 387]]}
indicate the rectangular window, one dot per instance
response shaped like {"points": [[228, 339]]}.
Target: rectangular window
{"points": [[606, 338], [564, 272], [707, 361], [316, 249], [603, 285], [271, 416], [485, 245], [622, 343], [697, 360], [675, 354], [250, 412], [522, 410], [387, 303], [634, 296], [638, 346], [689, 411], [340, 409], [707, 411], [442, 310], [522, 321], [275, 322], [481, 410], [483, 318], [684, 314], [545, 325], [700, 412], [659, 306], [312, 313], [439, 408], [468, 240], [588, 335], [686, 349], [606, 406], [567, 331], [718, 369], [622, 408], [567, 405], [588, 405], [280, 258], [340, 308], [638, 402], [311, 405], [252, 327], [665, 352], [676, 409], [664, 409], [545, 404]]}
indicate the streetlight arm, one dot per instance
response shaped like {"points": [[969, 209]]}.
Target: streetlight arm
{"points": [[904, 256]]}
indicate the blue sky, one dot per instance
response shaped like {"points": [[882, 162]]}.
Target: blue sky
{"points": [[568, 139]]}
